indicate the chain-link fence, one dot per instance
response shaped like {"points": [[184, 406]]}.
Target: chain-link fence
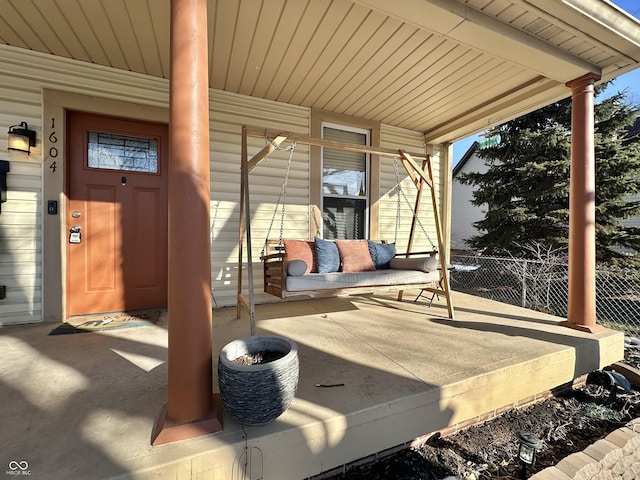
{"points": [[543, 286]]}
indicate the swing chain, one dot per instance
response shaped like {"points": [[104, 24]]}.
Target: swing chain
{"points": [[282, 198], [399, 188], [284, 189], [401, 192]]}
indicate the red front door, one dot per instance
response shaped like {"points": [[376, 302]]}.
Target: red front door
{"points": [[116, 214]]}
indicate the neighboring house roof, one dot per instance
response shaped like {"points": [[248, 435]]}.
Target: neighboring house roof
{"points": [[465, 158], [441, 67]]}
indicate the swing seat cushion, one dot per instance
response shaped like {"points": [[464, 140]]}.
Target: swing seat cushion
{"points": [[286, 274], [379, 278]]}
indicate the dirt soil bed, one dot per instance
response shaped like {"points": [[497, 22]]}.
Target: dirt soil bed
{"points": [[566, 424]]}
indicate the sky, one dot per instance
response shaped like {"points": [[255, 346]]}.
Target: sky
{"points": [[629, 81]]}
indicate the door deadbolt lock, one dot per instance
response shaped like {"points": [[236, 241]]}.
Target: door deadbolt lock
{"points": [[74, 234]]}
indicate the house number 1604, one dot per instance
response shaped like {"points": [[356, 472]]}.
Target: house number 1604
{"points": [[53, 151]]}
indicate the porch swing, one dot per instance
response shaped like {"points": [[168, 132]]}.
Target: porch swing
{"points": [[278, 280]]}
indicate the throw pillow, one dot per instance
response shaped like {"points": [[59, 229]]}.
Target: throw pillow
{"points": [[381, 253], [355, 256], [327, 256], [296, 268], [425, 264], [301, 250]]}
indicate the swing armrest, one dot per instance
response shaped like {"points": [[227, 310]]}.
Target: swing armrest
{"points": [[271, 256], [275, 276]]}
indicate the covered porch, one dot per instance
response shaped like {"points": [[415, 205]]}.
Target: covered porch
{"points": [[83, 405], [425, 73]]}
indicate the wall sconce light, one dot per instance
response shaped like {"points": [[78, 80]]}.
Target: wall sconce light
{"points": [[530, 445], [21, 138]]}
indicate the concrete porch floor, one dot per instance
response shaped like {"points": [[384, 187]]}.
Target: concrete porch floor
{"points": [[83, 406]]}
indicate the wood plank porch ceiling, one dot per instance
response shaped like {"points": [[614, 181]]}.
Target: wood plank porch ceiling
{"points": [[447, 68]]}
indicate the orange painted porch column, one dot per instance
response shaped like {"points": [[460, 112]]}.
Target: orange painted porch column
{"points": [[582, 212], [190, 408]]}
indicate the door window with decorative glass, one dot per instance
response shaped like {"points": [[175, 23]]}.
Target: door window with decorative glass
{"points": [[345, 199], [112, 151]]}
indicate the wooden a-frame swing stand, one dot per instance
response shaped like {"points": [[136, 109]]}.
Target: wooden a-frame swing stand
{"points": [[419, 174]]}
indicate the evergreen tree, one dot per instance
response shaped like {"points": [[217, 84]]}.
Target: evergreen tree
{"points": [[526, 187], [617, 178]]}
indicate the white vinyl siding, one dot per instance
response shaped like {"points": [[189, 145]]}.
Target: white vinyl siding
{"points": [[395, 138], [20, 252], [20, 226], [228, 113]]}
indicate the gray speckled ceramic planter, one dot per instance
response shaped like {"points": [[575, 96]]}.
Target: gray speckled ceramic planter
{"points": [[258, 394]]}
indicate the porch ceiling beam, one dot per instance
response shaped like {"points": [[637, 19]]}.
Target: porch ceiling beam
{"points": [[476, 30], [526, 98]]}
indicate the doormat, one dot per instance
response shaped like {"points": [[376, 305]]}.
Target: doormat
{"points": [[107, 321]]}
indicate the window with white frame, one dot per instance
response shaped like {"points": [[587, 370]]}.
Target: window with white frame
{"points": [[345, 197]]}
